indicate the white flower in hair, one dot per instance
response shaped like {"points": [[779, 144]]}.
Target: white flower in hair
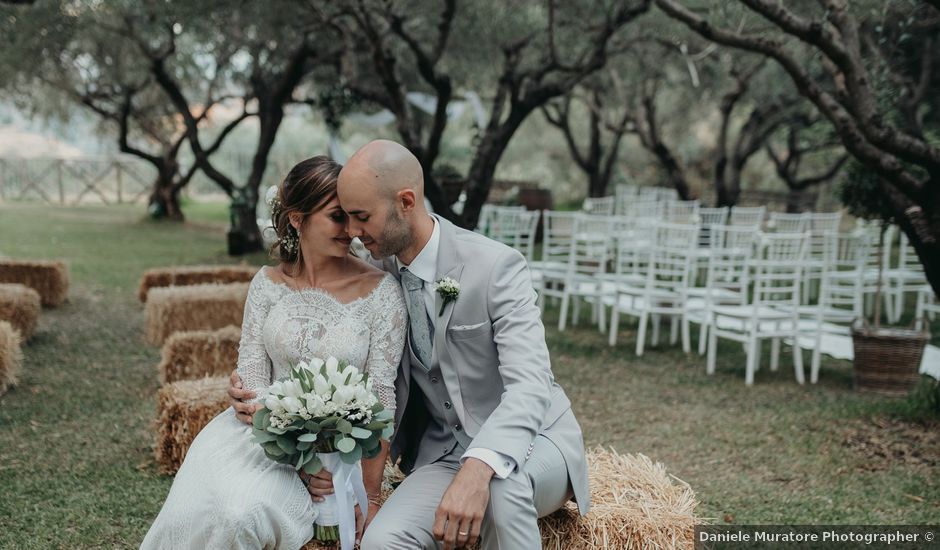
{"points": [[270, 196]]}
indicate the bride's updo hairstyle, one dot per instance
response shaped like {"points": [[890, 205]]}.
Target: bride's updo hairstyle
{"points": [[307, 188]]}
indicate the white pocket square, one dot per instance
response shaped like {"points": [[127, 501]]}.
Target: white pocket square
{"points": [[467, 327]]}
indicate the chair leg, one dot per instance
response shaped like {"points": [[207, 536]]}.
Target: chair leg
{"points": [[686, 338], [673, 330], [898, 303], [817, 358], [563, 315], [919, 311], [798, 359], [614, 324], [641, 333], [655, 321], [712, 352], [757, 346], [601, 321], [751, 361], [703, 335], [576, 311], [774, 354]]}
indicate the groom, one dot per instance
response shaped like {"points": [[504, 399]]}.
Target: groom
{"points": [[485, 434]]}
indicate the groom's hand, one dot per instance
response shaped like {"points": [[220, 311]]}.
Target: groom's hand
{"points": [[459, 517], [240, 397]]}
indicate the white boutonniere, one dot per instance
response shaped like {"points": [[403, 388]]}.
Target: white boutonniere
{"points": [[449, 289]]}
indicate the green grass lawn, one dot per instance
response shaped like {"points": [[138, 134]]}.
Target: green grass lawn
{"points": [[76, 466]]}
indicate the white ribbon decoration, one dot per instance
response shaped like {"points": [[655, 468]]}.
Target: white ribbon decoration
{"points": [[340, 507]]}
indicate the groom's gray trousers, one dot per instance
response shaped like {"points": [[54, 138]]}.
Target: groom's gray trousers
{"points": [[538, 488]]}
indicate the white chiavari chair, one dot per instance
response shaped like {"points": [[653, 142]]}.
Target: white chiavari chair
{"points": [[772, 310]]}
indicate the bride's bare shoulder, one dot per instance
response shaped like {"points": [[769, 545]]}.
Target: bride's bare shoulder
{"points": [[275, 274], [366, 274]]}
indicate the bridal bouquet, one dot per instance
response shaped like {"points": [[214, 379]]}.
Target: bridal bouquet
{"points": [[324, 415]]}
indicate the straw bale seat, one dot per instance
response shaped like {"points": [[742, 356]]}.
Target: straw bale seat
{"points": [[194, 275], [198, 353], [20, 305], [49, 278], [195, 307], [10, 356], [184, 409], [634, 504]]}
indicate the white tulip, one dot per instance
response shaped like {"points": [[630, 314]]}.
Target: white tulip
{"points": [[292, 388], [292, 404], [332, 365], [321, 385], [272, 403], [316, 364], [276, 388]]}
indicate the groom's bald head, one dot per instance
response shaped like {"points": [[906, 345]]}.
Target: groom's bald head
{"points": [[381, 188], [385, 167]]}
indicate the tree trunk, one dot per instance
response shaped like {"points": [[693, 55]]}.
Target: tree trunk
{"points": [[483, 166], [922, 227], [727, 186], [244, 234], [794, 201], [163, 202], [597, 187]]}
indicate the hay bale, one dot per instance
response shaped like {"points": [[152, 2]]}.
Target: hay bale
{"points": [[49, 278], [634, 504], [199, 353], [184, 409], [194, 275], [20, 305], [195, 307], [10, 356]]}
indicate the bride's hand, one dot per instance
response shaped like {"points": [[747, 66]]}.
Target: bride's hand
{"points": [[240, 397], [318, 485]]}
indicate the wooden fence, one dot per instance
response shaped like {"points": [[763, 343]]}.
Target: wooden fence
{"points": [[62, 181]]}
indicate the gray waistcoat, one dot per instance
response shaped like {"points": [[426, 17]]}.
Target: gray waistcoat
{"points": [[444, 435]]}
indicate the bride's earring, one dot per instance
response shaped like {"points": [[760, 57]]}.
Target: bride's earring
{"points": [[291, 240]]}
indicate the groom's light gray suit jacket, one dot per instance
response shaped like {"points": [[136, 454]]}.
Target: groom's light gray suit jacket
{"points": [[490, 347]]}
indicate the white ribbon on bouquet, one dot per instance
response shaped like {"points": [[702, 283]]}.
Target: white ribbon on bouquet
{"points": [[340, 507]]}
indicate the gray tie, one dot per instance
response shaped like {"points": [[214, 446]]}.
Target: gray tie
{"points": [[418, 315]]}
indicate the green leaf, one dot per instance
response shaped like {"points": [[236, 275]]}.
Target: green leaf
{"points": [[346, 445], [260, 419], [352, 456], [286, 445], [273, 450], [313, 466], [312, 426], [304, 445], [343, 425], [263, 436], [360, 433], [301, 460], [387, 432], [371, 442], [307, 437], [328, 422]]}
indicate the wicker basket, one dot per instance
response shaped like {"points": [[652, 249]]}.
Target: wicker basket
{"points": [[887, 360]]}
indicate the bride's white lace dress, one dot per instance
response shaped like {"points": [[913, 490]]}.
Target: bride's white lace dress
{"points": [[228, 494]]}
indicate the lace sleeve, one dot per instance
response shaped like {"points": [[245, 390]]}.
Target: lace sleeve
{"points": [[254, 363], [389, 328]]}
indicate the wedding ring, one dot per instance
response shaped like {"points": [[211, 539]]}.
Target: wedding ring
{"points": [[463, 533]]}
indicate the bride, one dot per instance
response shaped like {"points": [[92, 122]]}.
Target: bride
{"points": [[319, 301]]}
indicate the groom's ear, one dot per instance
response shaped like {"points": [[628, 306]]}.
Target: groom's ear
{"points": [[406, 199]]}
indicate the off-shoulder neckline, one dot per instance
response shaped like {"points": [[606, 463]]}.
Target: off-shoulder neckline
{"points": [[324, 292]]}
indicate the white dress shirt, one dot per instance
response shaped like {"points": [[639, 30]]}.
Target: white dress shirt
{"points": [[424, 266]]}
